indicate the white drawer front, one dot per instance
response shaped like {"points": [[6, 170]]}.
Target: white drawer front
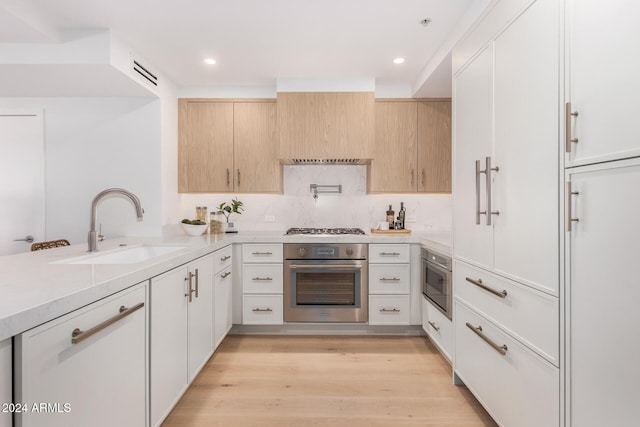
{"points": [[222, 258], [438, 327], [262, 310], [389, 279], [262, 252], [530, 315], [518, 388], [389, 253], [262, 278], [389, 310]]}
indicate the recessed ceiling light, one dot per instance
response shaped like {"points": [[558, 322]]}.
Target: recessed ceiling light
{"points": [[210, 61], [398, 61]]}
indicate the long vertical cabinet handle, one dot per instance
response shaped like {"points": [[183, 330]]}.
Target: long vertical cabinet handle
{"points": [[568, 216], [197, 283], [478, 211], [567, 127], [489, 187]]}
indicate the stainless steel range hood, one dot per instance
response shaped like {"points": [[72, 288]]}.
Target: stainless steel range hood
{"points": [[325, 161]]}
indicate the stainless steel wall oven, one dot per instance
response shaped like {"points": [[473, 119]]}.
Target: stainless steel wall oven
{"points": [[325, 282], [436, 281]]}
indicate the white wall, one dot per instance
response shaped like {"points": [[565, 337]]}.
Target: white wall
{"points": [[353, 208], [92, 144]]}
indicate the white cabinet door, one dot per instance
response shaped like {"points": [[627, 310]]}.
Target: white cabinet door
{"points": [[223, 303], [5, 381], [472, 88], [168, 342], [98, 380], [604, 294], [604, 80], [526, 148], [200, 314]]}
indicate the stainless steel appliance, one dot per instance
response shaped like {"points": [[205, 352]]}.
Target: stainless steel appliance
{"points": [[324, 231], [436, 280], [325, 282]]}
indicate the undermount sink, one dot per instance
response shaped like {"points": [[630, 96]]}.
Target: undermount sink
{"points": [[129, 255]]}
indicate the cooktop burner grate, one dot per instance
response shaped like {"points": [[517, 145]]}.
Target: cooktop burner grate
{"points": [[325, 231]]}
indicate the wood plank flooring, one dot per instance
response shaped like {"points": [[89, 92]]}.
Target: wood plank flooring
{"points": [[354, 381]]}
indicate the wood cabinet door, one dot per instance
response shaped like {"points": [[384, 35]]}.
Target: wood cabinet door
{"points": [[526, 148], [434, 147], [200, 314], [603, 84], [394, 165], [205, 146], [603, 246], [257, 166], [473, 94]]}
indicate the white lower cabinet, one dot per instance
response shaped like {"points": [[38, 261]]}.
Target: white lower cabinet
{"points": [[262, 309], [86, 368], [181, 336], [262, 284], [222, 284], [5, 382], [515, 385], [438, 327], [389, 309]]}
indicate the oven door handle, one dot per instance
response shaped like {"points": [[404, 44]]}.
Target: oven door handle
{"points": [[327, 266]]}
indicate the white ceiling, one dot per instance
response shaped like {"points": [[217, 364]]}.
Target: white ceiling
{"points": [[255, 41]]}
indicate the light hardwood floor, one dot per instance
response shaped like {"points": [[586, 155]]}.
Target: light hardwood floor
{"points": [[326, 381]]}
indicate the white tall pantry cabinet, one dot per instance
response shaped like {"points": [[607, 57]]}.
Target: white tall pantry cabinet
{"points": [[602, 207], [506, 103]]}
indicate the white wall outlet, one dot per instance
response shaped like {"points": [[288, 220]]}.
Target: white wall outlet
{"points": [[411, 218], [269, 218]]}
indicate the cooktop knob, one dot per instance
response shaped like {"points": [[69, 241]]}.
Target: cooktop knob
{"points": [[302, 251], [349, 251]]}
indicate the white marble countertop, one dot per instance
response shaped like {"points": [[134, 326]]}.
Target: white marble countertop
{"points": [[34, 288]]}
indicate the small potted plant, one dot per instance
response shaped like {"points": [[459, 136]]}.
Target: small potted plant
{"points": [[227, 210]]}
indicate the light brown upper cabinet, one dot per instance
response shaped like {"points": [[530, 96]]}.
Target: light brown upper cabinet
{"points": [[325, 125], [412, 150], [228, 146]]}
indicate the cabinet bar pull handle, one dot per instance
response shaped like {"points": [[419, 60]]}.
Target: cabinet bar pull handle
{"points": [[190, 291], [228, 178], [478, 211], [434, 326], [489, 186], [263, 278], [238, 177], [389, 310], [261, 253], [478, 331], [224, 258], [390, 253], [567, 127], [389, 279], [262, 310], [478, 283], [567, 203], [225, 275], [79, 335], [197, 275]]}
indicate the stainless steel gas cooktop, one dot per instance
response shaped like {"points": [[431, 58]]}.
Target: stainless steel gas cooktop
{"points": [[324, 231]]}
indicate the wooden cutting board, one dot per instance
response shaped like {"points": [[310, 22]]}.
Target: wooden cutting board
{"points": [[390, 232]]}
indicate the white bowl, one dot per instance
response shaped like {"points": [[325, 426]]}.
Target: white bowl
{"points": [[194, 230]]}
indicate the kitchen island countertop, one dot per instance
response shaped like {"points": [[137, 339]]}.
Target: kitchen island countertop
{"points": [[36, 288]]}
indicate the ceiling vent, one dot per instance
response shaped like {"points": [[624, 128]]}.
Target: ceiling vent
{"points": [[143, 71], [327, 162]]}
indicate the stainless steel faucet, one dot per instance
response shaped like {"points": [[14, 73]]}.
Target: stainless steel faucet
{"points": [[94, 210]]}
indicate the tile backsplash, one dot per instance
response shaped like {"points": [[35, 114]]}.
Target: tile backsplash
{"points": [[352, 208]]}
